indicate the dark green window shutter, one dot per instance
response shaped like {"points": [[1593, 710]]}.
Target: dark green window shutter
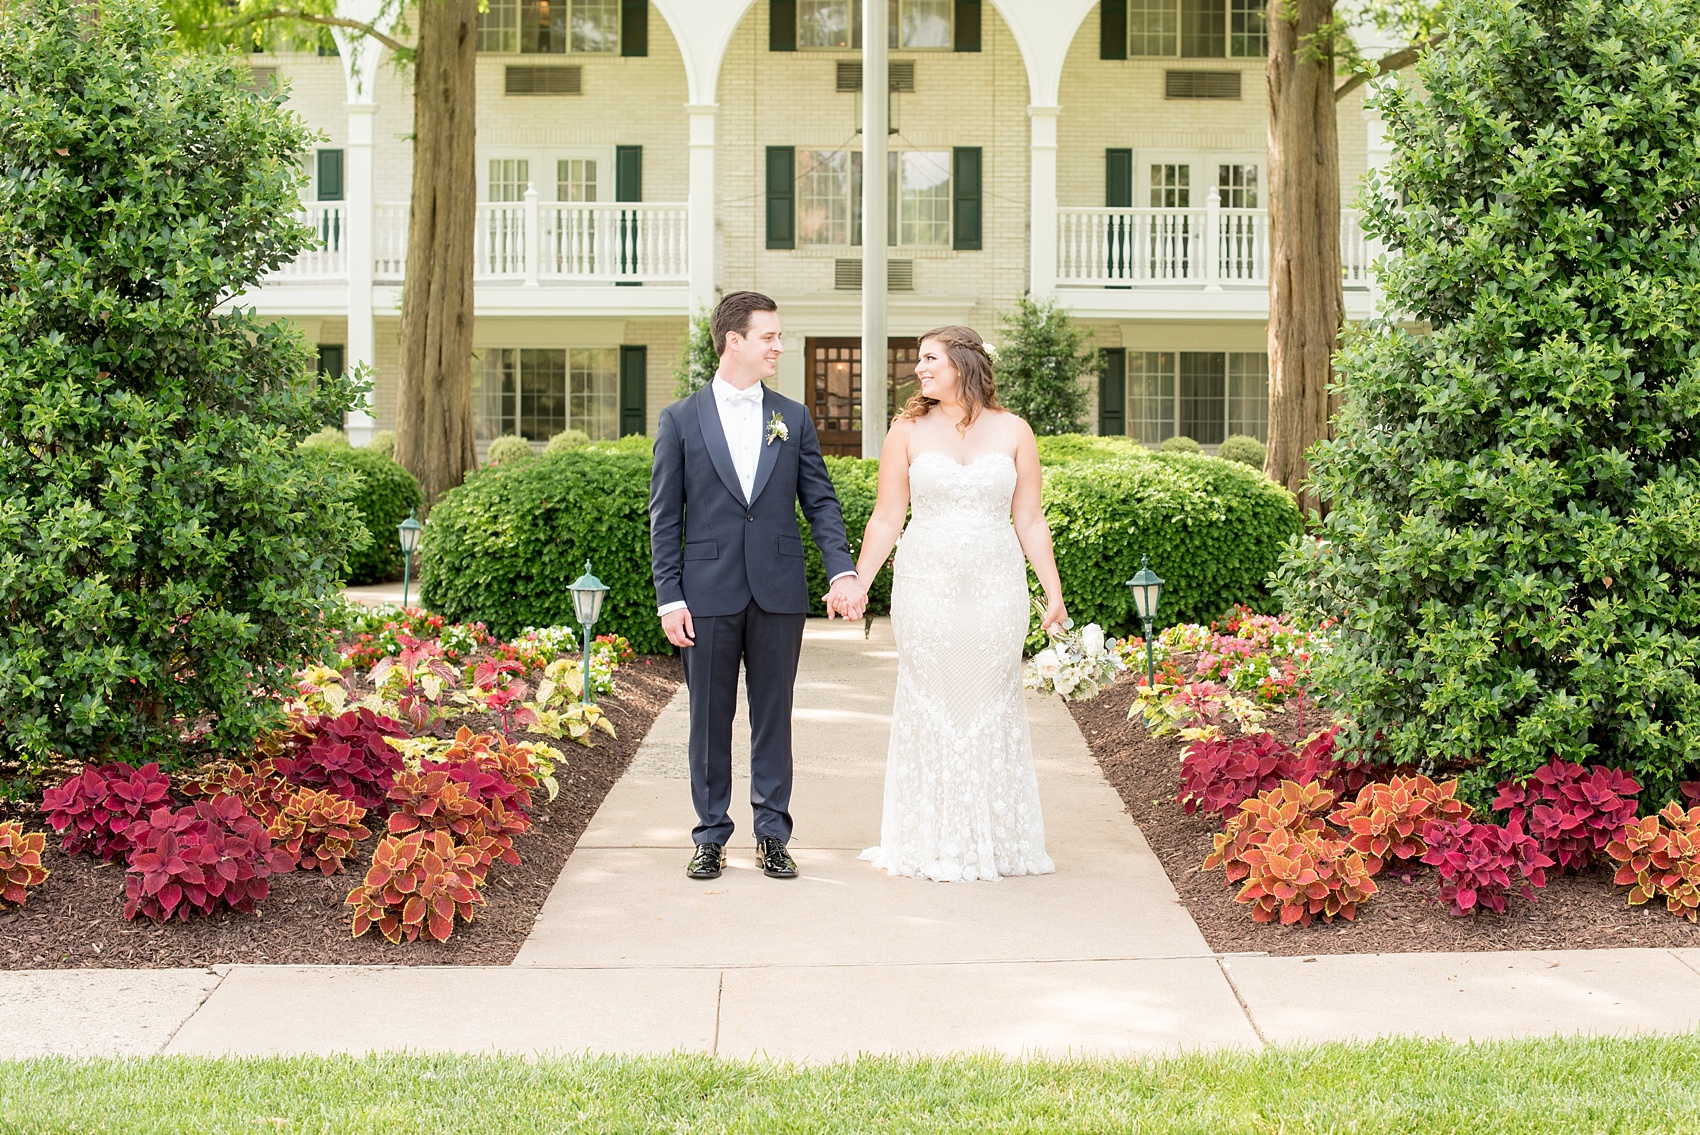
{"points": [[634, 390], [967, 25], [330, 175], [1112, 29], [634, 28], [781, 197], [1112, 392], [782, 25], [628, 173], [1118, 179], [965, 179]]}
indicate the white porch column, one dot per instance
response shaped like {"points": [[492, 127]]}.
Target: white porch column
{"points": [[1042, 221], [360, 217], [701, 207], [876, 107]]}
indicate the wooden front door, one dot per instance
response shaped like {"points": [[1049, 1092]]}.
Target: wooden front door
{"points": [[835, 388]]}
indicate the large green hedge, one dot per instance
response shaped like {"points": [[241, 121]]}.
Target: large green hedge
{"points": [[504, 546], [384, 496]]}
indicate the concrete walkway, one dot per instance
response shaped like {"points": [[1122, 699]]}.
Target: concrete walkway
{"points": [[630, 956]]}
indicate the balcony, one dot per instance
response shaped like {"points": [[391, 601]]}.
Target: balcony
{"points": [[1204, 250]]}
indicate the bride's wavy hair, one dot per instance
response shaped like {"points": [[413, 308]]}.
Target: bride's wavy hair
{"points": [[967, 353]]}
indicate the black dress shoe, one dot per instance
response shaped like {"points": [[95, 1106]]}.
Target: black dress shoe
{"points": [[707, 862], [776, 862]]}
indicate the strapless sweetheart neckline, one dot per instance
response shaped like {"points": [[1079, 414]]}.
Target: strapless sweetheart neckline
{"points": [[961, 464]]}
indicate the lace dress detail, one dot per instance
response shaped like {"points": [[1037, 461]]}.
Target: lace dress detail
{"points": [[961, 797]]}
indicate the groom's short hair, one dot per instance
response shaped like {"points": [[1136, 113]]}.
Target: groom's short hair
{"points": [[733, 314]]}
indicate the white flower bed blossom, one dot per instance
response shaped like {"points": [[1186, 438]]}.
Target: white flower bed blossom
{"points": [[1076, 665]]}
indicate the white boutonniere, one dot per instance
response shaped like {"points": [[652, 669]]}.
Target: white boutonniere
{"points": [[777, 430]]}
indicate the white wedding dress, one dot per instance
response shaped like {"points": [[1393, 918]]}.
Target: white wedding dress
{"points": [[961, 797]]}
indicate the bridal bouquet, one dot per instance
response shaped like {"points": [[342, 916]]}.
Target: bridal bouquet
{"points": [[1076, 665]]}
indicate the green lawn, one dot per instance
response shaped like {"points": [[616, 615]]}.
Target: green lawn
{"points": [[1613, 1085]]}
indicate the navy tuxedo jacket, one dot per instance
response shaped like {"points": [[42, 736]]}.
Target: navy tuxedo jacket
{"points": [[713, 549]]}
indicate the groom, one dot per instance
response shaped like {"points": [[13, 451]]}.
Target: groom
{"points": [[732, 463]]}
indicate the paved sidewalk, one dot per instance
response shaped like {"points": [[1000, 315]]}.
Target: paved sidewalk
{"points": [[630, 956]]}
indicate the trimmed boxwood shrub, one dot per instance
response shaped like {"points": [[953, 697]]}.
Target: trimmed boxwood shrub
{"points": [[384, 494], [1512, 542], [1213, 530], [1065, 449], [503, 547]]}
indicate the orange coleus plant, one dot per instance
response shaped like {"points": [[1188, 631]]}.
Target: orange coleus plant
{"points": [[433, 801], [418, 884], [1297, 876], [1660, 855], [20, 862], [259, 787], [318, 829], [1289, 807], [1386, 820]]}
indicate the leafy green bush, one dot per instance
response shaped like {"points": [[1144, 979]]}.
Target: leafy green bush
{"points": [[1512, 542], [1245, 450], [1065, 449], [1178, 443], [856, 481], [1043, 362], [508, 447], [328, 438], [384, 496], [1213, 530], [167, 549], [567, 439], [382, 443], [697, 359]]}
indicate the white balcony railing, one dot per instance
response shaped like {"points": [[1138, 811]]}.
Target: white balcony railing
{"points": [[1209, 247], [328, 258], [550, 242]]}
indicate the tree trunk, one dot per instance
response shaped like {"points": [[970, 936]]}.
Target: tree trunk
{"points": [[434, 433], [1306, 304]]}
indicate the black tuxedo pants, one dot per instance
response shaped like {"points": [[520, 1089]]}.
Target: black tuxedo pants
{"points": [[767, 646]]}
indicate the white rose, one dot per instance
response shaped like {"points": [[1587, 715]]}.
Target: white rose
{"points": [[1048, 664], [1092, 638]]}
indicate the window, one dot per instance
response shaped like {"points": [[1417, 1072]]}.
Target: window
{"points": [[1204, 395], [509, 178], [537, 393], [1171, 186], [829, 198], [1197, 29], [550, 27], [1236, 186], [836, 25], [575, 179]]}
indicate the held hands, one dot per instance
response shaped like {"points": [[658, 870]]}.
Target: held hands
{"points": [[847, 599], [1056, 615]]}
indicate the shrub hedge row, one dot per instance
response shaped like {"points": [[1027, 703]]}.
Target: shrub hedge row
{"points": [[503, 547], [384, 495]]}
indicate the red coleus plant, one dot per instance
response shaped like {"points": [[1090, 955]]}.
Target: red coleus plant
{"points": [[20, 862], [1219, 774], [431, 800], [93, 810], [349, 757], [490, 767], [1573, 811], [318, 829], [260, 787], [1660, 855], [417, 884], [198, 858], [1386, 820], [1480, 863]]}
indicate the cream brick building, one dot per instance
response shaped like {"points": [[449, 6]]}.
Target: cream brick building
{"points": [[639, 158]]}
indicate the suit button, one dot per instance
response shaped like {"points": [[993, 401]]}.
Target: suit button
{"points": [[751, 519]]}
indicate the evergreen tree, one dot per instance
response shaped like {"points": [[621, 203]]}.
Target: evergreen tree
{"points": [[1043, 364]]}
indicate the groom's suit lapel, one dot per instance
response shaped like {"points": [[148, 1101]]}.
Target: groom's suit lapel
{"points": [[769, 449], [708, 416]]}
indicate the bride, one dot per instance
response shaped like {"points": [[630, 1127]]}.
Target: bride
{"points": [[961, 796]]}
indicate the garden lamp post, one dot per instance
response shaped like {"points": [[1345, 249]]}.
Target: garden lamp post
{"points": [[1147, 589], [588, 593], [408, 530]]}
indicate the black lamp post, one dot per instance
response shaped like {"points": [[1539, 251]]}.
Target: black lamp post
{"points": [[1147, 589], [588, 593], [408, 530]]}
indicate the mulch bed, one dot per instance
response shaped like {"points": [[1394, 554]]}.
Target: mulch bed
{"points": [[76, 918], [1582, 911]]}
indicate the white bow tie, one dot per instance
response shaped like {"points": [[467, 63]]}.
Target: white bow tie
{"points": [[738, 397]]}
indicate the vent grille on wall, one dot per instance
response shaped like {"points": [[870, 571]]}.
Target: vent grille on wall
{"points": [[545, 81], [262, 78], [1201, 84], [902, 75], [899, 275]]}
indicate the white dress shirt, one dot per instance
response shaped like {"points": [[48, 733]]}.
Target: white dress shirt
{"points": [[741, 422]]}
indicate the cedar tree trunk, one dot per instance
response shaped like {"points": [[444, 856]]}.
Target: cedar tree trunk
{"points": [[434, 435], [1306, 305]]}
